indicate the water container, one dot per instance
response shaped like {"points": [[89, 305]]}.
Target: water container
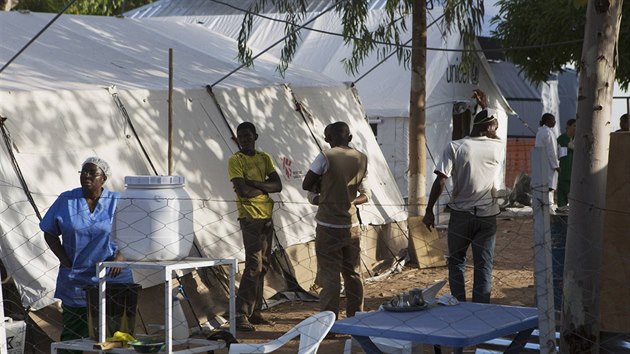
{"points": [[154, 219], [14, 336]]}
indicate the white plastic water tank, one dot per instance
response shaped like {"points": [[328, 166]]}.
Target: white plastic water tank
{"points": [[154, 219]]}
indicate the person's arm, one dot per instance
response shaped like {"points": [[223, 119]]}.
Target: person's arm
{"points": [[248, 189], [115, 271], [57, 248], [313, 178], [436, 191], [243, 189], [360, 199], [481, 98], [273, 184], [364, 192], [311, 182]]}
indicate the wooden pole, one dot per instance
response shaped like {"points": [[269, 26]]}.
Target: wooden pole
{"points": [[170, 111], [543, 277]]}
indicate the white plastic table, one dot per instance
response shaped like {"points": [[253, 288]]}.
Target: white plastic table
{"points": [[167, 268], [458, 326]]}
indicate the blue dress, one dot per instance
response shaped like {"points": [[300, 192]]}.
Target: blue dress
{"points": [[86, 239]]}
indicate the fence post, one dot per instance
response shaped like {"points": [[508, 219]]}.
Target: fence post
{"points": [[3, 335], [542, 252]]}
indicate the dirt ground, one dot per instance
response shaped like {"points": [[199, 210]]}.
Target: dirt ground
{"points": [[513, 284]]}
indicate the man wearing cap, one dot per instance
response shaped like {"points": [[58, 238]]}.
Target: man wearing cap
{"points": [[474, 163], [77, 228]]}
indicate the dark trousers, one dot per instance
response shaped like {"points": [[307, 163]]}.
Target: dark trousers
{"points": [[465, 229], [339, 251], [257, 241], [75, 326]]}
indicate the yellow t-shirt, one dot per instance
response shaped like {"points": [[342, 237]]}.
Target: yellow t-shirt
{"points": [[255, 168]]}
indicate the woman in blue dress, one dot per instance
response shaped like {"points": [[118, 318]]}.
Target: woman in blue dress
{"points": [[77, 228]]}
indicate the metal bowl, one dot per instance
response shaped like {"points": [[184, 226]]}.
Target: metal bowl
{"points": [[147, 345]]}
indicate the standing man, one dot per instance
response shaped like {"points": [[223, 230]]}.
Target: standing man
{"points": [[546, 139], [254, 176], [565, 142], [341, 172], [474, 162]]}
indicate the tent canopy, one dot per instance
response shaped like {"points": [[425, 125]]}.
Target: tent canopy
{"points": [[98, 86], [383, 85]]}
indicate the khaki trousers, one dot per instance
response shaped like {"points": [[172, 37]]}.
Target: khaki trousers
{"points": [[338, 251]]}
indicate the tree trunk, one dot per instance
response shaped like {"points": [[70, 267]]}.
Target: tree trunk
{"points": [[417, 118], [580, 310]]}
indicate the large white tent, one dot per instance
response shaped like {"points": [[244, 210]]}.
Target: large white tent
{"points": [[99, 86], [383, 87]]}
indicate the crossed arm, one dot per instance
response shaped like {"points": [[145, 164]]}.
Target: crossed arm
{"points": [[248, 189]]}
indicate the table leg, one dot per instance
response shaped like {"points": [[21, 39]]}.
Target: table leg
{"points": [[367, 345], [518, 343]]}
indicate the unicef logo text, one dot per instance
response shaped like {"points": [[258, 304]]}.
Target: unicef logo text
{"points": [[456, 74]]}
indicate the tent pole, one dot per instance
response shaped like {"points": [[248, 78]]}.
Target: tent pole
{"points": [[170, 112]]}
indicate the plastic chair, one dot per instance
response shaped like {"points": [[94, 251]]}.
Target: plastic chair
{"points": [[311, 331]]}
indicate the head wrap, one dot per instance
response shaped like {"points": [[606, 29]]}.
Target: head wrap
{"points": [[483, 117], [102, 164]]}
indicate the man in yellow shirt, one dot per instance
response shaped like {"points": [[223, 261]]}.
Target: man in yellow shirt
{"points": [[253, 176]]}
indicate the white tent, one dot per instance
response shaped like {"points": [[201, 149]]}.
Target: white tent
{"points": [[383, 88], [99, 86]]}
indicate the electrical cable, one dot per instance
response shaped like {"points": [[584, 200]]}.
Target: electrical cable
{"points": [[36, 36], [538, 46], [271, 46]]}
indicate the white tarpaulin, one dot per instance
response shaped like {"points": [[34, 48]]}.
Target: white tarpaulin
{"points": [[383, 87], [68, 96]]}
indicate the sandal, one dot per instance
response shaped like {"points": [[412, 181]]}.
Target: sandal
{"points": [[243, 324]]}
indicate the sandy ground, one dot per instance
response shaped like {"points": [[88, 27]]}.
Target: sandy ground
{"points": [[513, 284]]}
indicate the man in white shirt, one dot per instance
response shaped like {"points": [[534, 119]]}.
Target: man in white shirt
{"points": [[546, 138], [473, 162]]}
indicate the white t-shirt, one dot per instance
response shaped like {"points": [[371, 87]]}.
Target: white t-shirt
{"points": [[474, 163]]}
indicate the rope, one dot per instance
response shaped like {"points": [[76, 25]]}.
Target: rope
{"points": [[227, 124], [16, 167], [304, 112], [124, 113]]}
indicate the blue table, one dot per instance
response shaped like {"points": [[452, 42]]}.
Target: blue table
{"points": [[458, 326]]}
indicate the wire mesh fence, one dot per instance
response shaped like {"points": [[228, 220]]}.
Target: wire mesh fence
{"points": [[384, 267]]}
